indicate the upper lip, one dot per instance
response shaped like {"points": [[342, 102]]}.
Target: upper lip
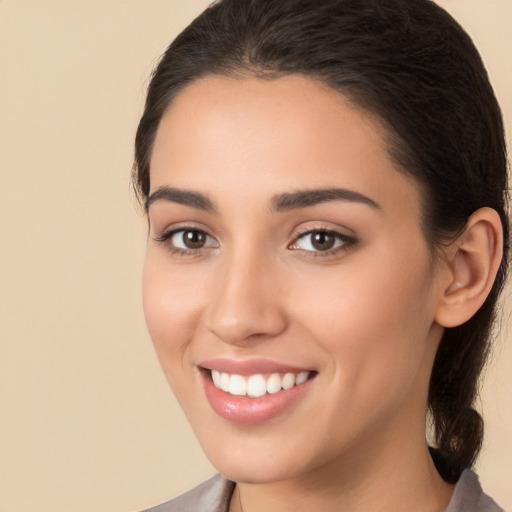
{"points": [[247, 367]]}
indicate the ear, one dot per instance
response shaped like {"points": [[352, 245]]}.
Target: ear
{"points": [[470, 266]]}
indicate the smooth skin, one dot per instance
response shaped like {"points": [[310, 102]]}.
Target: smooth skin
{"points": [[366, 314]]}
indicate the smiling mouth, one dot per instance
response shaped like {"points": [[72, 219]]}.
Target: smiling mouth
{"points": [[257, 385], [253, 391]]}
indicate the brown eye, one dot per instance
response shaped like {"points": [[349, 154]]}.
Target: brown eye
{"points": [[322, 241], [187, 240], [193, 239]]}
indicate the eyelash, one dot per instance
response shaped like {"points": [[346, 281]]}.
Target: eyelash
{"points": [[166, 239], [346, 242]]}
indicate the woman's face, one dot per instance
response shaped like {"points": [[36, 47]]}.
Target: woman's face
{"points": [[286, 258]]}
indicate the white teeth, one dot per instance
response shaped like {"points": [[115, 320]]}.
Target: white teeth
{"points": [[302, 377], [274, 383], [288, 381], [237, 385], [216, 378], [224, 382], [256, 385]]}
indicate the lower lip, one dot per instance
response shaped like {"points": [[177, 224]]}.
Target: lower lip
{"points": [[246, 410]]}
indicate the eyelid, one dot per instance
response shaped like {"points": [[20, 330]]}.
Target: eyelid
{"points": [[169, 233], [347, 241], [170, 228], [343, 242], [165, 238]]}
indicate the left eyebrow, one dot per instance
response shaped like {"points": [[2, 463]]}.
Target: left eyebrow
{"points": [[312, 197], [185, 197]]}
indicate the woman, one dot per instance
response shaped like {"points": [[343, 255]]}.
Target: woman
{"points": [[325, 188]]}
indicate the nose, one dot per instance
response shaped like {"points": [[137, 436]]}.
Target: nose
{"points": [[245, 303]]}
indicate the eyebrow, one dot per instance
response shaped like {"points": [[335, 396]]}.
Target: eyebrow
{"points": [[185, 197], [279, 203], [312, 197]]}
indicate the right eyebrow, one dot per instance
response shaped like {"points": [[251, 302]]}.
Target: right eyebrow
{"points": [[185, 197], [312, 197]]}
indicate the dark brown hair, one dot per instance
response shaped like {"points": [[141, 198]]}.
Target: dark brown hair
{"points": [[410, 64]]}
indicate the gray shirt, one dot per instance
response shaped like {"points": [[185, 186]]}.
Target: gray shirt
{"points": [[214, 495]]}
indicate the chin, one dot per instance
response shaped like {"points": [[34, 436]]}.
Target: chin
{"points": [[254, 472], [259, 458]]}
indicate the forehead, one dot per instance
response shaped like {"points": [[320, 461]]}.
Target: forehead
{"points": [[266, 134]]}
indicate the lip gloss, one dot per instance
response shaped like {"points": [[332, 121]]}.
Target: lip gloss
{"points": [[247, 410]]}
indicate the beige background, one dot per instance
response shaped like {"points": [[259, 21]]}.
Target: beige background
{"points": [[86, 420]]}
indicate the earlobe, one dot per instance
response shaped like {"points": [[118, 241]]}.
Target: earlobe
{"points": [[472, 261]]}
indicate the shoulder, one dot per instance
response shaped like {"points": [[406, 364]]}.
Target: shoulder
{"points": [[468, 496], [212, 495]]}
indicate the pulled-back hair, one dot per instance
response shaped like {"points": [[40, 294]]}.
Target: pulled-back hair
{"points": [[411, 65]]}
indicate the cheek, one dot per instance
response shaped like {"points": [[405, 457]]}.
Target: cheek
{"points": [[364, 298], [171, 304], [373, 321]]}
